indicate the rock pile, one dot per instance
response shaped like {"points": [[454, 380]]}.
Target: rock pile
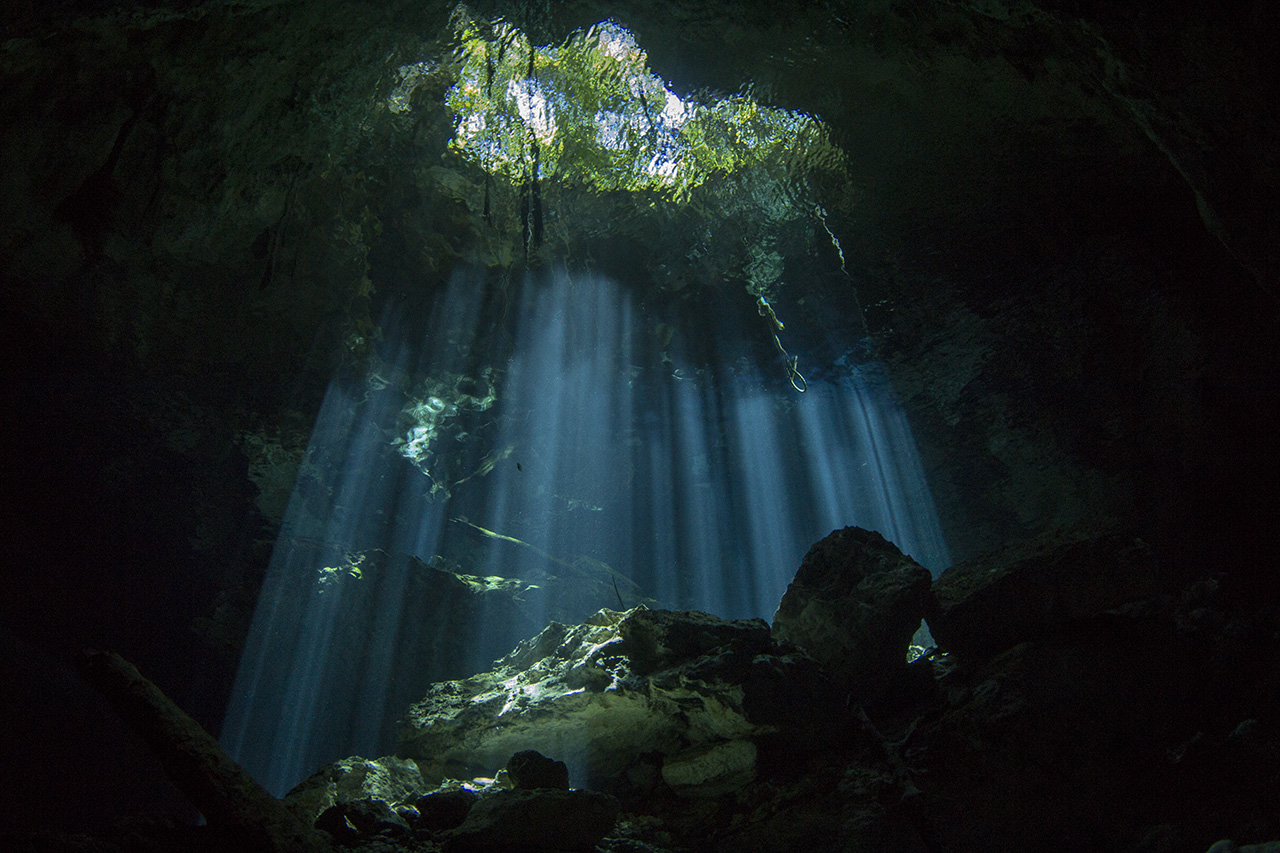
{"points": [[1079, 705], [617, 691]]}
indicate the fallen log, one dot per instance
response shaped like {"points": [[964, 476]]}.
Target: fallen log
{"points": [[231, 800]]}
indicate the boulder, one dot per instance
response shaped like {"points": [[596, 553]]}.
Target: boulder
{"points": [[854, 605], [981, 607], [389, 780], [530, 769], [658, 639], [542, 820], [621, 685], [441, 810], [356, 818]]}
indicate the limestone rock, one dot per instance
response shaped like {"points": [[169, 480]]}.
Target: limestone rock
{"points": [[389, 780], [540, 820], [983, 606], [853, 606], [709, 771], [657, 639], [792, 692], [530, 769], [450, 624], [1037, 728], [460, 619], [442, 810], [604, 693], [357, 818]]}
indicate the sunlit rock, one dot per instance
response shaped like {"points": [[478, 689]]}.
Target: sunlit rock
{"points": [[854, 605], [983, 606], [450, 624], [389, 780], [603, 693]]}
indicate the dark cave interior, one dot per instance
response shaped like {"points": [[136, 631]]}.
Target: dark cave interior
{"points": [[1050, 225]]}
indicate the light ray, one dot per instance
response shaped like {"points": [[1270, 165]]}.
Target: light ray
{"points": [[588, 453]]}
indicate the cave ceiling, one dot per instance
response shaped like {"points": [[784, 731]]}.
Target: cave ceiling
{"points": [[329, 154], [999, 198]]}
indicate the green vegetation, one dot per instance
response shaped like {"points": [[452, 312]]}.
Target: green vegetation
{"points": [[589, 112]]}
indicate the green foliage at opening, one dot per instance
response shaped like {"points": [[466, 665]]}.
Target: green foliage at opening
{"points": [[590, 112]]}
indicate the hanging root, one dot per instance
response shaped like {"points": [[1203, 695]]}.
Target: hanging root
{"points": [[797, 380]]}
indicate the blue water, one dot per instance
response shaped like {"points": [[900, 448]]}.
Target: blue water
{"points": [[703, 483]]}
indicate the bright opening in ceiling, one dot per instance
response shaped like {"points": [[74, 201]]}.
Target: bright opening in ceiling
{"points": [[590, 112]]}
